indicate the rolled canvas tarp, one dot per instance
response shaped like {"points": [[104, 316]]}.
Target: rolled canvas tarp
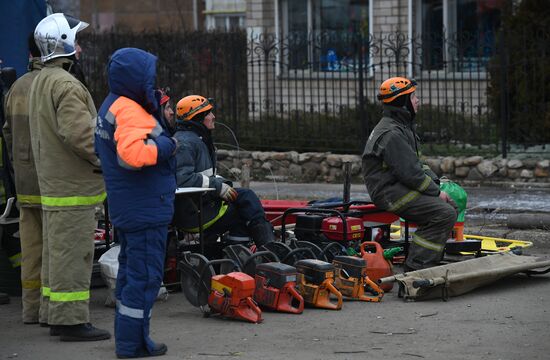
{"points": [[459, 278]]}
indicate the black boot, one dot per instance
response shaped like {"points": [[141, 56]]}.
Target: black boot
{"points": [[158, 350], [261, 232], [82, 332]]}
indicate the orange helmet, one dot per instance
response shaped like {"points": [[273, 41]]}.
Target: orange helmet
{"points": [[394, 87], [192, 105]]}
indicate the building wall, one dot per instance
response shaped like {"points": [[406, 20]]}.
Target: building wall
{"points": [[140, 15], [271, 90]]}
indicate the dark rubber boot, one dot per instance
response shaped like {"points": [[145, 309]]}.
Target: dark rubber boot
{"points": [[82, 332], [261, 232], [160, 349]]}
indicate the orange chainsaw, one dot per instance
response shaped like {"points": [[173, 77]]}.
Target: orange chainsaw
{"points": [[352, 281], [276, 288], [315, 284], [229, 295]]}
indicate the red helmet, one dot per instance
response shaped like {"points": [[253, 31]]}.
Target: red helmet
{"points": [[164, 98]]}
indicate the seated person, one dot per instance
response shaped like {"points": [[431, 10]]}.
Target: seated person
{"points": [[238, 211], [397, 181]]}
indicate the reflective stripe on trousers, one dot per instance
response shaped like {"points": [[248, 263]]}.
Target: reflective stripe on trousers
{"points": [[65, 296], [426, 244], [73, 200], [131, 312]]}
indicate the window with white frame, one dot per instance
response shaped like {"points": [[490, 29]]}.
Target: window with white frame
{"points": [[320, 33], [458, 35], [225, 15], [225, 22]]}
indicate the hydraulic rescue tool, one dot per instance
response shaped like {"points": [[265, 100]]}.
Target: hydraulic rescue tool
{"points": [[352, 281], [276, 288], [229, 295], [315, 284]]}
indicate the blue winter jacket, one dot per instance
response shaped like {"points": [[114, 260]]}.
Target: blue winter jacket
{"points": [[196, 167], [133, 145]]}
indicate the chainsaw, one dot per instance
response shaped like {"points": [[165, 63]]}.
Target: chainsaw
{"points": [[276, 288], [229, 295], [315, 284], [352, 281]]}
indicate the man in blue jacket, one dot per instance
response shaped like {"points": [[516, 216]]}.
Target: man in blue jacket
{"points": [[138, 163], [236, 211]]}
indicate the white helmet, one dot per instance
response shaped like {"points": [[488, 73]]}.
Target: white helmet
{"points": [[55, 35]]}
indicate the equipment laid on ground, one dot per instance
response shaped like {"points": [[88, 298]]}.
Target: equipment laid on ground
{"points": [[459, 278], [352, 281], [377, 266], [229, 295], [276, 288], [315, 284], [489, 245]]}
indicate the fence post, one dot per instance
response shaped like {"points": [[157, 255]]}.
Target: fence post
{"points": [[362, 114], [504, 93]]}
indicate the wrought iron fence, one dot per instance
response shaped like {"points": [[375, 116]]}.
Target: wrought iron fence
{"points": [[310, 92]]}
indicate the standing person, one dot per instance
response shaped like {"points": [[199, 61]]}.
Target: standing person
{"points": [[18, 143], [61, 121], [236, 210], [396, 180], [137, 158]]}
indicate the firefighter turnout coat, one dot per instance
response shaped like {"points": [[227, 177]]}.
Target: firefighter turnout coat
{"points": [[392, 171]]}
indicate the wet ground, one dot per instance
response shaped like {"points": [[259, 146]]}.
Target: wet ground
{"points": [[507, 320]]}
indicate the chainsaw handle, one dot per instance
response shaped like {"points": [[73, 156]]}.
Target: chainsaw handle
{"points": [[376, 245], [296, 295], [334, 291], [372, 285], [293, 252], [252, 260], [330, 246], [254, 307]]}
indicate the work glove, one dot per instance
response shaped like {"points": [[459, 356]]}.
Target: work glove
{"points": [[228, 193]]}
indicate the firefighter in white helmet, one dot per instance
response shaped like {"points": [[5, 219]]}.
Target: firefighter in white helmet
{"points": [[62, 121]]}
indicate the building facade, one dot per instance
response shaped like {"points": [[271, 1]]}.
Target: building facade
{"points": [[329, 54]]}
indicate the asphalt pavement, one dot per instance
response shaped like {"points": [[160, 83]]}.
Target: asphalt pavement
{"points": [[507, 320]]}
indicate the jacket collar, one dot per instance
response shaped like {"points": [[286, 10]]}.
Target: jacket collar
{"points": [[35, 64], [61, 62], [397, 113]]}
